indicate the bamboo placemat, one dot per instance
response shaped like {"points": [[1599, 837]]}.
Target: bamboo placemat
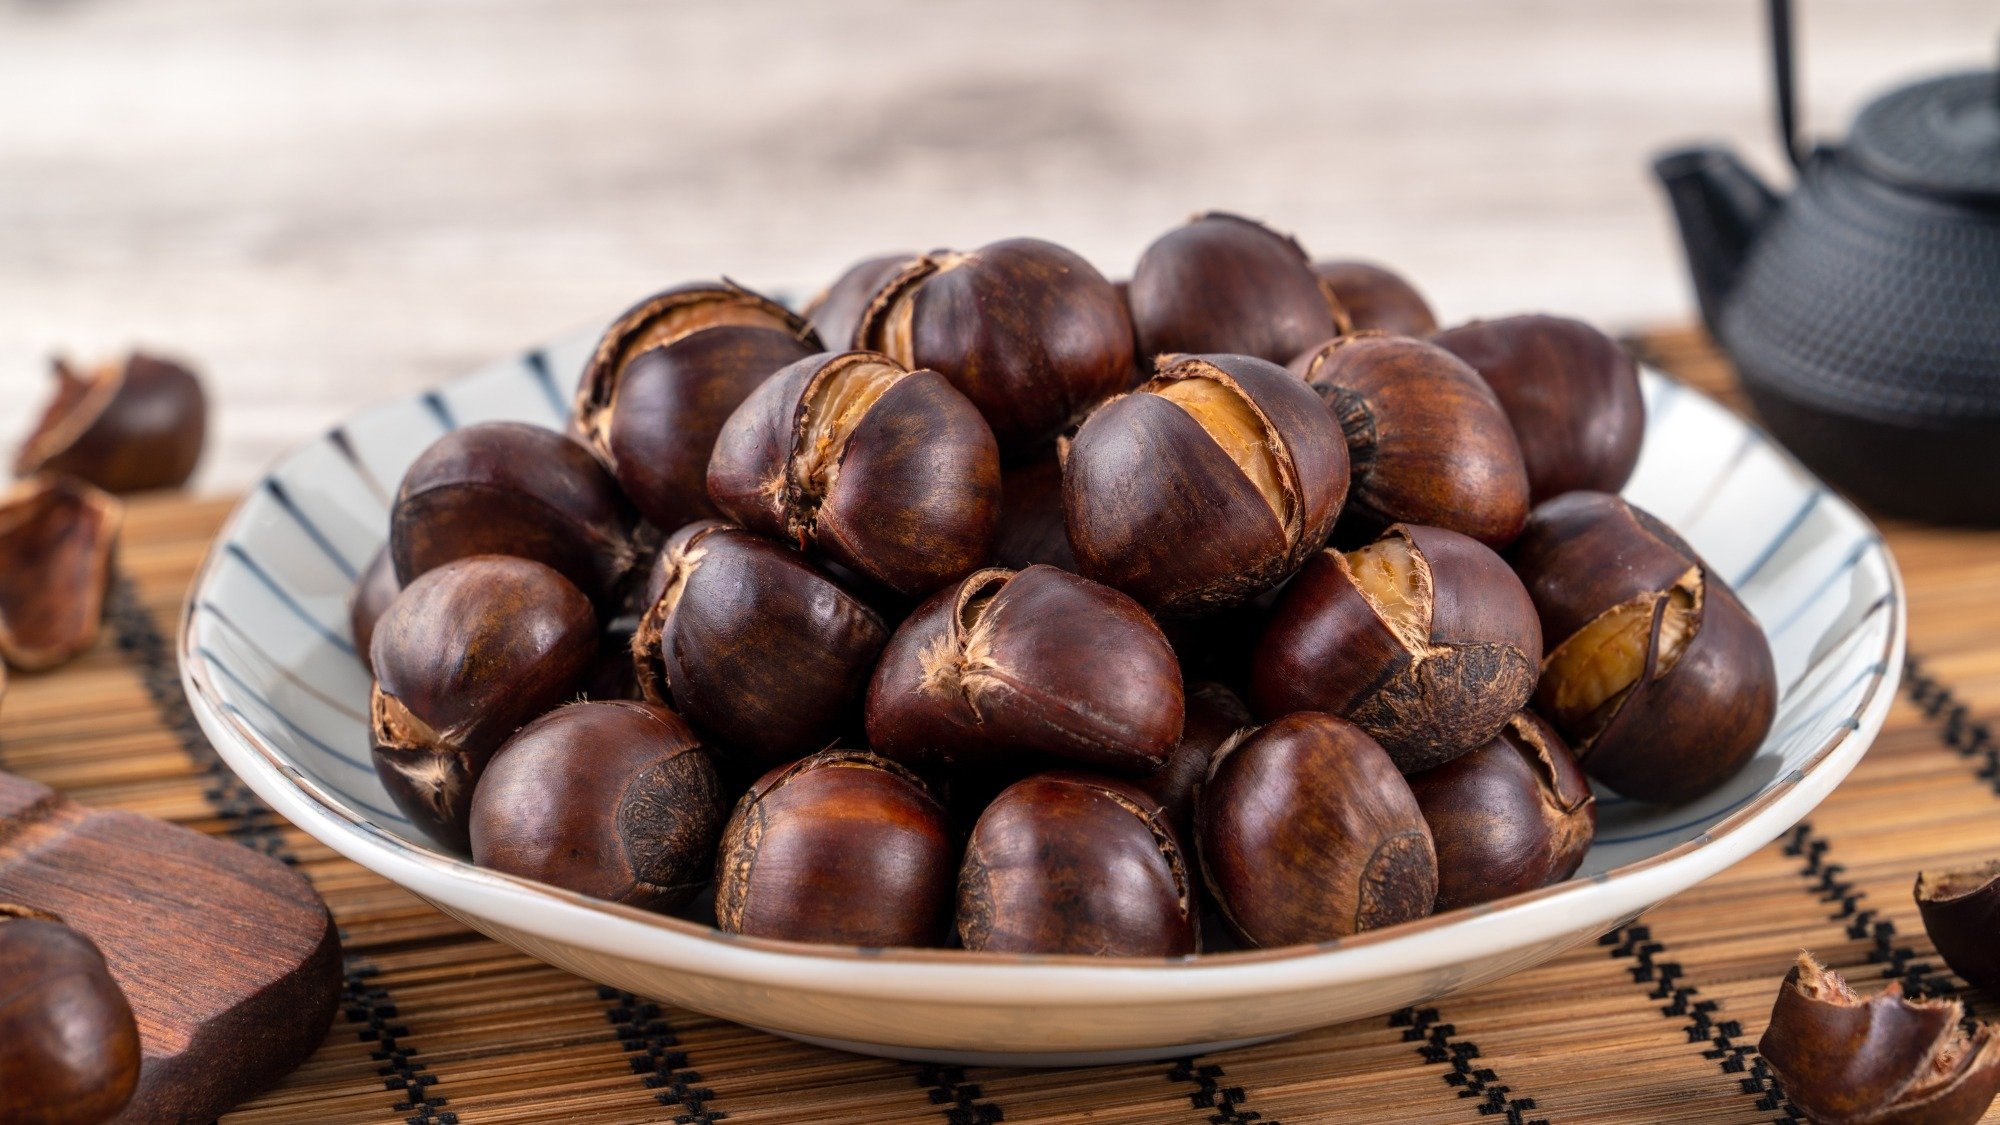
{"points": [[1656, 1021]]}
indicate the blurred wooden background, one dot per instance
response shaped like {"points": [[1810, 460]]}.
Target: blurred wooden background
{"points": [[326, 203]]}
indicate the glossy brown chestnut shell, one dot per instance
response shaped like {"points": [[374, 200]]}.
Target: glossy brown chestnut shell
{"points": [[125, 426], [69, 1047], [1961, 912], [1214, 715], [1027, 330], [835, 312], [666, 375], [615, 800], [1886, 1060], [1069, 863], [1007, 663], [509, 488], [58, 537], [1031, 517], [889, 472], [840, 847], [1653, 670], [1424, 638], [1512, 816], [752, 644], [1210, 483], [373, 592], [1309, 833], [465, 655], [1227, 284], [1571, 393], [1427, 438], [1377, 298]]}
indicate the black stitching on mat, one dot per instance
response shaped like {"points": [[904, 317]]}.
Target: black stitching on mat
{"points": [[1919, 978], [1210, 1093], [252, 823], [1441, 1046], [1970, 737], [656, 1056], [957, 1099]]}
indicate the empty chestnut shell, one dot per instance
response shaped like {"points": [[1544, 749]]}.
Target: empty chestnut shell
{"points": [[463, 657], [836, 311], [1377, 298], [1039, 660], [1027, 330], [840, 847], [1308, 833], [372, 594], [125, 426], [1423, 638], [1227, 284], [615, 800], [1514, 815], [1571, 393], [58, 536], [754, 645], [1070, 863], [1210, 483], [666, 375], [1961, 911], [1031, 517], [1427, 438], [1883, 1060], [69, 1047], [1214, 715], [1654, 672], [889, 472], [508, 488]]}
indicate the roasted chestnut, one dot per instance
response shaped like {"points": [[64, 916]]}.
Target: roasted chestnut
{"points": [[1426, 437], [1227, 284], [1034, 661], [889, 472], [508, 488], [667, 374], [1071, 863], [1423, 638], [373, 592], [465, 655], [1655, 672], [1031, 517], [1210, 483], [57, 539], [836, 311], [1377, 298], [1028, 331], [1512, 816], [1571, 393], [840, 847], [1886, 1060], [125, 426], [1309, 833], [1961, 912], [1214, 715], [69, 1047], [754, 645], [615, 800]]}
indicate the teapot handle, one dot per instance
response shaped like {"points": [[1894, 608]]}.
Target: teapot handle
{"points": [[1782, 74]]}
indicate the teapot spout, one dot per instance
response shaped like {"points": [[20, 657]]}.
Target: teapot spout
{"points": [[1721, 207]]}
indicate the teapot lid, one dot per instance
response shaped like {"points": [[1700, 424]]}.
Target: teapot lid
{"points": [[1941, 137]]}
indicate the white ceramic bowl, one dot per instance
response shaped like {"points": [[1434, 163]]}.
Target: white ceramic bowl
{"points": [[271, 674]]}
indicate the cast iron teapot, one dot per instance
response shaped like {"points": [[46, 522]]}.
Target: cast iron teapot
{"points": [[1863, 311]]}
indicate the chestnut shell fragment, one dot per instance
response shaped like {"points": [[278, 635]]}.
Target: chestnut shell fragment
{"points": [[69, 1047], [1377, 298], [125, 426], [1227, 284], [1961, 912], [58, 537]]}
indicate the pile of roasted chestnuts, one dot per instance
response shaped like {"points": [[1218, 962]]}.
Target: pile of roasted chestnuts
{"points": [[986, 602]]}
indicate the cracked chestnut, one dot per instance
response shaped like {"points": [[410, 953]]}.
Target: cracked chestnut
{"points": [[464, 656], [1571, 393], [1514, 815], [1007, 663], [1227, 284], [889, 472], [615, 800], [373, 592], [1068, 863], [1423, 638], [1427, 438], [58, 537], [842, 847], [1654, 671], [1210, 483], [69, 1047], [127, 425], [1031, 333], [664, 378], [1308, 833], [752, 644], [509, 488], [1961, 912], [835, 312], [1377, 298], [1886, 1060]]}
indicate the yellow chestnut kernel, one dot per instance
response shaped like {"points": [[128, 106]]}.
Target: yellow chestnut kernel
{"points": [[1227, 416], [1392, 576], [833, 409]]}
